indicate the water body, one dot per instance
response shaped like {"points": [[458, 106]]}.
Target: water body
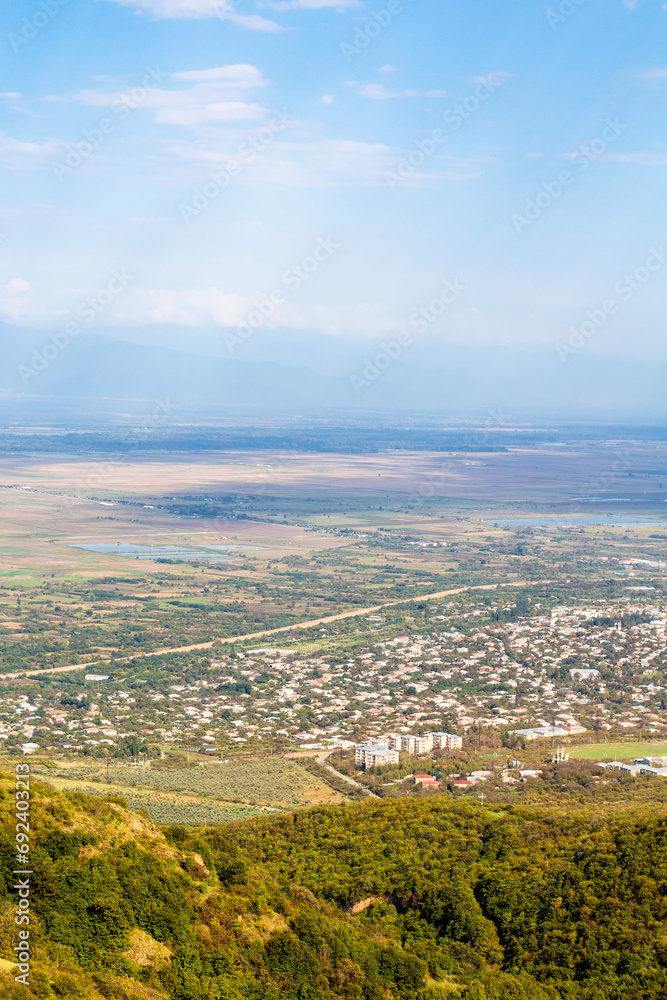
{"points": [[610, 520], [208, 553]]}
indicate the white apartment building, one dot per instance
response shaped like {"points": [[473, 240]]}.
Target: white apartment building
{"points": [[416, 745], [372, 754], [447, 741]]}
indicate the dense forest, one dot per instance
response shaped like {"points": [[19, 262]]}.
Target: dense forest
{"points": [[398, 900]]}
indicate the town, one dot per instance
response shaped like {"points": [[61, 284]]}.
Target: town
{"points": [[558, 672]]}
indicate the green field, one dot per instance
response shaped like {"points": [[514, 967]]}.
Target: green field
{"points": [[276, 783], [618, 751], [164, 809]]}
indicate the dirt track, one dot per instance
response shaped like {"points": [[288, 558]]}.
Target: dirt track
{"points": [[275, 631]]}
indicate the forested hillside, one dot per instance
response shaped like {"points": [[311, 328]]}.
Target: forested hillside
{"points": [[395, 900]]}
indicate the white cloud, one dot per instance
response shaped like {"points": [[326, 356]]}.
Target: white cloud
{"points": [[191, 9], [388, 68], [253, 22], [214, 97], [497, 77], [326, 99], [653, 74], [239, 76], [463, 168], [17, 155], [14, 306], [378, 92], [318, 163], [642, 159], [311, 4], [321, 163], [190, 307]]}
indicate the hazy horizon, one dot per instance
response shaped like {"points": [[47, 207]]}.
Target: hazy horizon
{"points": [[470, 195]]}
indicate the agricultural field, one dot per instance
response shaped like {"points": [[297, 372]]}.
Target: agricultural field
{"points": [[277, 783], [307, 536], [164, 809]]}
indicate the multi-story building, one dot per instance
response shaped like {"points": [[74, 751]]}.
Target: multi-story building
{"points": [[447, 741], [372, 754], [416, 745]]}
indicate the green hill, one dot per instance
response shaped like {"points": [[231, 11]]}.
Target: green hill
{"points": [[393, 900]]}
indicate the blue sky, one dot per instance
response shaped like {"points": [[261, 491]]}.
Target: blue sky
{"points": [[206, 148]]}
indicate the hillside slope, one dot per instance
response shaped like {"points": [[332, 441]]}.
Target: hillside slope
{"points": [[399, 900]]}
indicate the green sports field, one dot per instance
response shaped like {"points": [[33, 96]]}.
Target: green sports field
{"points": [[618, 751]]}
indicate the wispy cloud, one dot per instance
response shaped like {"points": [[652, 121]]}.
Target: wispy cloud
{"points": [[215, 96], [240, 76], [15, 154], [196, 9], [378, 92], [642, 159], [14, 303], [310, 4], [190, 307]]}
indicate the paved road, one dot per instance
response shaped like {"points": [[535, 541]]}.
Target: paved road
{"points": [[276, 631], [321, 760]]}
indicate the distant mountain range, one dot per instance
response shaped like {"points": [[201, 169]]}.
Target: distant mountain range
{"points": [[290, 373]]}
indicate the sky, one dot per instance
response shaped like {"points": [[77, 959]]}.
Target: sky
{"points": [[197, 169]]}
